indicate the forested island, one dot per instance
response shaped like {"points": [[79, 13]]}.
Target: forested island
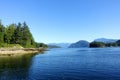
{"points": [[96, 43], [17, 36], [101, 44]]}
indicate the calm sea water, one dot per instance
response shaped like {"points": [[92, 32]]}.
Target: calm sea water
{"points": [[63, 64]]}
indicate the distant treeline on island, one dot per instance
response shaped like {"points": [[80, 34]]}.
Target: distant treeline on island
{"points": [[96, 43], [102, 44], [17, 35]]}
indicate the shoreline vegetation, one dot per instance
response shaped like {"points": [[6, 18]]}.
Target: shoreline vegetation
{"points": [[17, 39], [19, 51]]}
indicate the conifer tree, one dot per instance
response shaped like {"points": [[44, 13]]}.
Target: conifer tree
{"points": [[16, 34], [9, 31], [2, 31]]}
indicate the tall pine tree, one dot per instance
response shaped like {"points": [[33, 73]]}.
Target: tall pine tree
{"points": [[2, 31], [17, 36], [27, 38], [9, 31]]}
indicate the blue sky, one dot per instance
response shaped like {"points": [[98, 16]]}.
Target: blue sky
{"points": [[54, 21]]}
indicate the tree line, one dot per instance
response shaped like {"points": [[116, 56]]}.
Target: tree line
{"points": [[102, 44], [17, 34]]}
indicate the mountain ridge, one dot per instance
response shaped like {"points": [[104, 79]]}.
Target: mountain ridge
{"points": [[105, 40], [79, 44], [62, 45]]}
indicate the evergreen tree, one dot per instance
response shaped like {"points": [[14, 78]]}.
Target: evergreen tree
{"points": [[17, 36], [2, 31], [9, 31], [27, 37]]}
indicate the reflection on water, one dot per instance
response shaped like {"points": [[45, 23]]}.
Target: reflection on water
{"points": [[63, 64], [15, 67]]}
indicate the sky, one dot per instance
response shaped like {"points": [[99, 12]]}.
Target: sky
{"points": [[56, 21]]}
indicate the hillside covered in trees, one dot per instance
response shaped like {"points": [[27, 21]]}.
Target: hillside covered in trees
{"points": [[97, 43], [16, 34], [101, 44]]}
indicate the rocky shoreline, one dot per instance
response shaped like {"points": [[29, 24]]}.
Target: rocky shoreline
{"points": [[19, 51]]}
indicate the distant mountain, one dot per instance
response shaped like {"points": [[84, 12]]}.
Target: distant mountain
{"points": [[80, 44], [104, 40], [62, 45], [53, 46]]}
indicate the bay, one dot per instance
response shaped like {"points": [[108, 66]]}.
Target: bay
{"points": [[63, 64]]}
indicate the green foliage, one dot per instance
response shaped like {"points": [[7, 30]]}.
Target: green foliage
{"points": [[41, 45], [5, 45], [101, 44], [97, 44], [118, 42], [16, 34], [111, 44], [9, 31], [2, 31]]}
